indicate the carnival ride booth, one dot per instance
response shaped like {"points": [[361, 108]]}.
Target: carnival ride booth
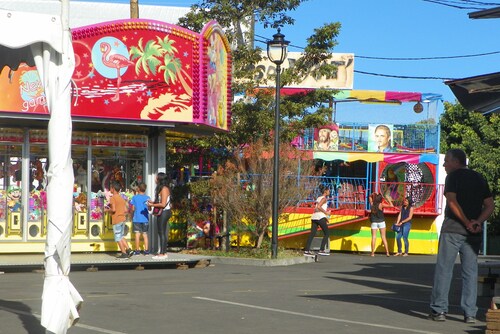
{"points": [[398, 160], [125, 102]]}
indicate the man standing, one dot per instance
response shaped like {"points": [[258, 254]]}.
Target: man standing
{"points": [[468, 204]]}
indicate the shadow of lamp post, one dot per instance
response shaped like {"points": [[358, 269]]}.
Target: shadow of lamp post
{"points": [[276, 52]]}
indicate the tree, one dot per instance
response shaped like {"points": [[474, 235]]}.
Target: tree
{"points": [[243, 186], [478, 136], [253, 114]]}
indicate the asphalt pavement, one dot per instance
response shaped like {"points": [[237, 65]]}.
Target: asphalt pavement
{"points": [[342, 293]]}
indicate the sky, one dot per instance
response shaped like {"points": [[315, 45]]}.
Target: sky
{"points": [[395, 29]]}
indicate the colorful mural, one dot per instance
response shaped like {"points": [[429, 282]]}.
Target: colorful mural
{"points": [[121, 73], [217, 75], [140, 70]]}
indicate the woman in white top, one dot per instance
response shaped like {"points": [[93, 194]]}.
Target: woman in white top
{"points": [[162, 201], [320, 218]]}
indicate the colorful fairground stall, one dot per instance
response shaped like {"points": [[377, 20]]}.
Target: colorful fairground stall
{"points": [[136, 82], [399, 160]]}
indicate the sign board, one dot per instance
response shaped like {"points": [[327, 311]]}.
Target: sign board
{"points": [[138, 70], [342, 79]]}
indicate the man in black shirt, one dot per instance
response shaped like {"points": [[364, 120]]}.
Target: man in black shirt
{"points": [[468, 204]]}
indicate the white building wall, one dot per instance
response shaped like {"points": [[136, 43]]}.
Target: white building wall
{"points": [[86, 13]]}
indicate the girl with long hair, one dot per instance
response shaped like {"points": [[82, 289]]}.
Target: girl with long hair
{"points": [[404, 220], [162, 201], [320, 218], [377, 220]]}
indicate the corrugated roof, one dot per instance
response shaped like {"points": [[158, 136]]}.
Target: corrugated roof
{"points": [[85, 13], [492, 13], [479, 93]]}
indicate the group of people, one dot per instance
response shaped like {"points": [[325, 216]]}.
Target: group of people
{"points": [[469, 202], [141, 205], [321, 215], [402, 224]]}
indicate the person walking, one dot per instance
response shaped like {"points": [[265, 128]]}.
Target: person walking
{"points": [[140, 218], [118, 209], [404, 220], [320, 218], [162, 202], [469, 203], [377, 220]]}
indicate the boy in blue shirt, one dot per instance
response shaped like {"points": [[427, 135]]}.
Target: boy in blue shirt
{"points": [[140, 218]]}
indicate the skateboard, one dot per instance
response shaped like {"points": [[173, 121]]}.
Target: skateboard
{"points": [[315, 256]]}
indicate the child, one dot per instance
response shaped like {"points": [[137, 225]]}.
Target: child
{"points": [[140, 219], [118, 209]]}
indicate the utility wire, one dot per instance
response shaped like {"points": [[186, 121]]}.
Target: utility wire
{"points": [[398, 58], [430, 58], [402, 76], [449, 3], [459, 4]]}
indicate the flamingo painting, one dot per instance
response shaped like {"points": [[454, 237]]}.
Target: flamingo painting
{"points": [[116, 61]]}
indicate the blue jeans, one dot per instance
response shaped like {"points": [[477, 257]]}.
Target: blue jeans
{"points": [[403, 233], [468, 248], [119, 231]]}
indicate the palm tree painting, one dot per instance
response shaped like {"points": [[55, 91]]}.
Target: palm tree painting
{"points": [[158, 56]]}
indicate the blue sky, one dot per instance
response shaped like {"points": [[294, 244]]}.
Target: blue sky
{"points": [[396, 28]]}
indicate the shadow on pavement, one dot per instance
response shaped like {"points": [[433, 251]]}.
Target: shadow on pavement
{"points": [[403, 288], [31, 323]]}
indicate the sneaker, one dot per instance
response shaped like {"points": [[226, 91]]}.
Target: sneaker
{"points": [[146, 252], [437, 316], [130, 252], [309, 253], [469, 320], [324, 253], [137, 252], [123, 256]]}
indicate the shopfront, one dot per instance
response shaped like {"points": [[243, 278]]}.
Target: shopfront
{"points": [[124, 103]]}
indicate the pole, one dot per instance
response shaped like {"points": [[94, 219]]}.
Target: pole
{"points": [[134, 9], [274, 239]]}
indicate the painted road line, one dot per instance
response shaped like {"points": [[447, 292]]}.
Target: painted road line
{"points": [[316, 316], [31, 314]]}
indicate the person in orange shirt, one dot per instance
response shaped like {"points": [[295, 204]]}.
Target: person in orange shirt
{"points": [[118, 209]]}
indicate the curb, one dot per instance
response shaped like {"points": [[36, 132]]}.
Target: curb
{"points": [[260, 262]]}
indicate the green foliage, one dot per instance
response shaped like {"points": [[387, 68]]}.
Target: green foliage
{"points": [[478, 136], [253, 114], [200, 188]]}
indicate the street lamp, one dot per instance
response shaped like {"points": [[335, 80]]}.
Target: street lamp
{"points": [[276, 52]]}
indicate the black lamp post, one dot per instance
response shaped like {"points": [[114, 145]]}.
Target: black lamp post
{"points": [[276, 52]]}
